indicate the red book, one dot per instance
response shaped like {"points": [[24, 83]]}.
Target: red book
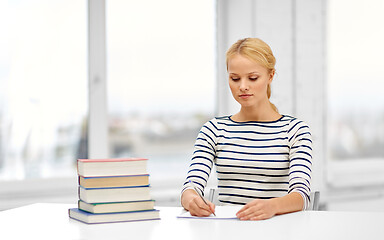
{"points": [[111, 167]]}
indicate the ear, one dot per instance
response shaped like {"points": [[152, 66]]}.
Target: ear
{"points": [[271, 75]]}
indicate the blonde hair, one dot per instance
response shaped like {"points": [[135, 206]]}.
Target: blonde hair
{"points": [[258, 51]]}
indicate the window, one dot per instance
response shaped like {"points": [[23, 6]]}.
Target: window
{"points": [[161, 75], [43, 88], [355, 93]]}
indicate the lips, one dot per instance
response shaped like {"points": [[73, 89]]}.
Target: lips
{"points": [[244, 96]]}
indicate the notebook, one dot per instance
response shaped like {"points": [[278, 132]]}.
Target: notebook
{"points": [[222, 212]]}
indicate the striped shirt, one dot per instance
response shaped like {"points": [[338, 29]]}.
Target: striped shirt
{"points": [[254, 160]]}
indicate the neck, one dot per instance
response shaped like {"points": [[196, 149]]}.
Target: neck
{"points": [[261, 113]]}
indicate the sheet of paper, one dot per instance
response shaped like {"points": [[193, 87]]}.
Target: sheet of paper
{"points": [[222, 212]]}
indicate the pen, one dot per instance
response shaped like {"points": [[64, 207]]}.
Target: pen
{"points": [[197, 191]]}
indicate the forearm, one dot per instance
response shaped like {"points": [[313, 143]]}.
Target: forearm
{"points": [[260, 209], [292, 202], [201, 163]]}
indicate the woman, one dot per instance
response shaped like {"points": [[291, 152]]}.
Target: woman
{"points": [[263, 159]]}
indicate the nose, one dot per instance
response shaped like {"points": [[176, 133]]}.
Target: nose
{"points": [[243, 85]]}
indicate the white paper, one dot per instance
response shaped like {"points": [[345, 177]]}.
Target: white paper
{"points": [[222, 212]]}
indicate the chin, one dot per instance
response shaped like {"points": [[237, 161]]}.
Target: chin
{"points": [[245, 104]]}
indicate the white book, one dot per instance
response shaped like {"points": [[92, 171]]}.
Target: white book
{"points": [[119, 194], [111, 167]]}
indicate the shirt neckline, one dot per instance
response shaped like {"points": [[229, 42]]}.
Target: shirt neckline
{"points": [[274, 121]]}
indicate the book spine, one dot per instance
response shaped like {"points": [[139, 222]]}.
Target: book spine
{"points": [[125, 187], [79, 168], [119, 194], [113, 160]]}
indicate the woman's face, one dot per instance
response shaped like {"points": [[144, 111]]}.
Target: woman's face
{"points": [[248, 81]]}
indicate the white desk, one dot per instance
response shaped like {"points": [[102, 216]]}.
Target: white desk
{"points": [[50, 221]]}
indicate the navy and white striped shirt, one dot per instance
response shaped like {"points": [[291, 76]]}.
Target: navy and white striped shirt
{"points": [[254, 160]]}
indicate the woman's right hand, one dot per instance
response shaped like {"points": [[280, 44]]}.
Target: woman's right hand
{"points": [[192, 202]]}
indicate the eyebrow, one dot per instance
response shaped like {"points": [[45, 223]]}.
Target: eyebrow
{"points": [[247, 73]]}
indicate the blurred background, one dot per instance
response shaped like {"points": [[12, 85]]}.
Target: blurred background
{"points": [[162, 76]]}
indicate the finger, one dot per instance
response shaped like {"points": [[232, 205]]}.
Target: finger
{"points": [[250, 213], [242, 210], [203, 205], [245, 212], [259, 217], [249, 207], [200, 213], [199, 208], [212, 207], [196, 211], [208, 208]]}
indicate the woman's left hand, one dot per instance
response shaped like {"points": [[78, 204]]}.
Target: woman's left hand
{"points": [[258, 209]]}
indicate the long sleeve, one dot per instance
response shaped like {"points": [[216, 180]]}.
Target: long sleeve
{"points": [[254, 160], [203, 157], [300, 157]]}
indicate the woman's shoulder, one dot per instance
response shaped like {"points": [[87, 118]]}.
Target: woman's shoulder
{"points": [[223, 118], [295, 124], [219, 120], [292, 119]]}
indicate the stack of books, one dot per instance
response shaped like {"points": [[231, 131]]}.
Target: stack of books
{"points": [[113, 190]]}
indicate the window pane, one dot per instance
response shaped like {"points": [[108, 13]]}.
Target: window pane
{"points": [[356, 80], [160, 81], [43, 87]]}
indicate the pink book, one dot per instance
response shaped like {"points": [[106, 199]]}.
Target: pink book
{"points": [[112, 160]]}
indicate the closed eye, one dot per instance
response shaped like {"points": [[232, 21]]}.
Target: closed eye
{"points": [[235, 79], [253, 78]]}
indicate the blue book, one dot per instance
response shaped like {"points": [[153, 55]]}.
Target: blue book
{"points": [[91, 218]]}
